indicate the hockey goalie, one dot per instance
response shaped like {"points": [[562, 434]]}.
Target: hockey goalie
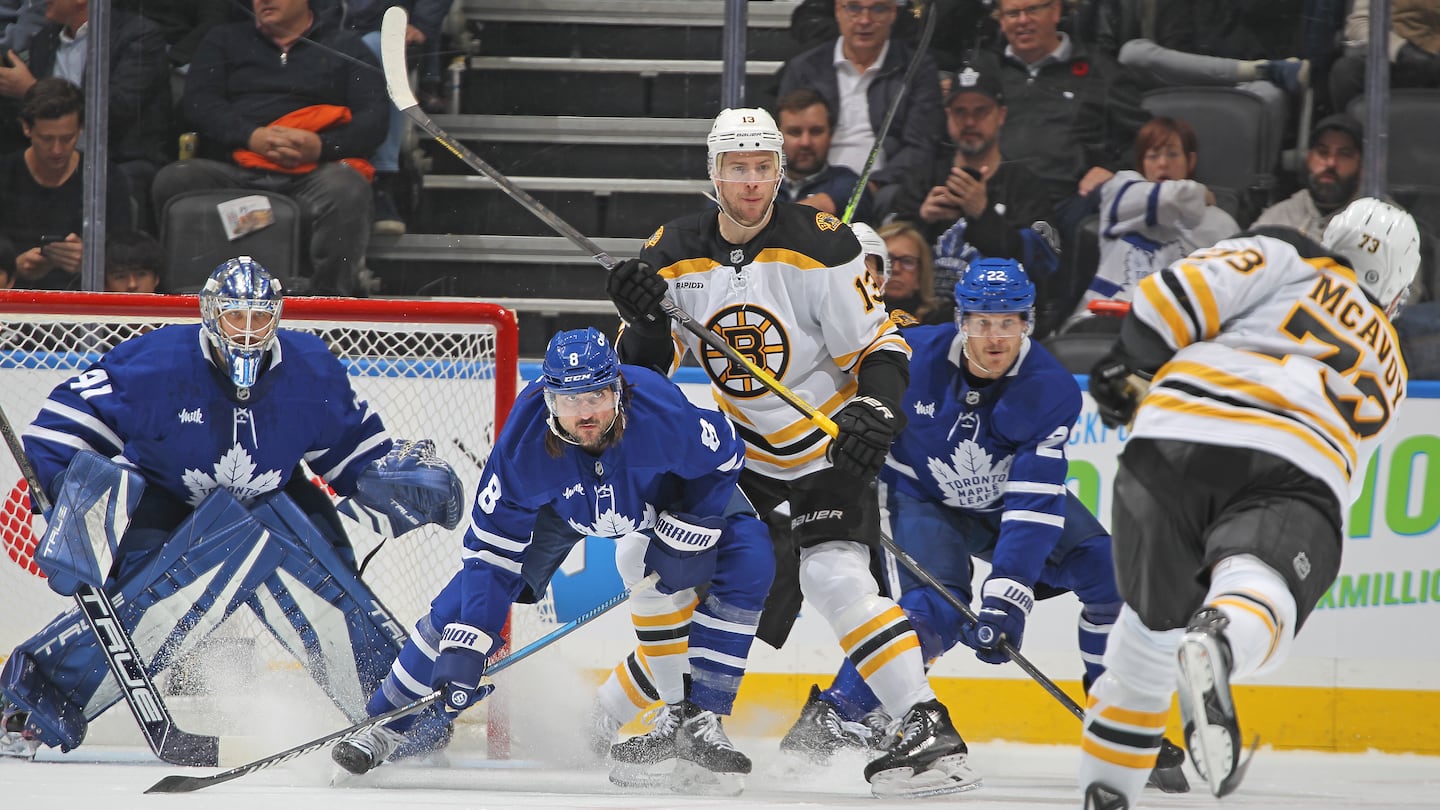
{"points": [[174, 467]]}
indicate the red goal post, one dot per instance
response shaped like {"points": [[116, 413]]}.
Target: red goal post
{"points": [[443, 369]]}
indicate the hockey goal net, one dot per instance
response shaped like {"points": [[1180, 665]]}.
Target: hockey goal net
{"points": [[443, 370]]}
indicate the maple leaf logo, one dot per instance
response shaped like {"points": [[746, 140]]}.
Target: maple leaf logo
{"points": [[234, 471], [971, 478], [610, 523]]}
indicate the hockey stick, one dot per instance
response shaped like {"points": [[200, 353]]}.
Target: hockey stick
{"points": [[397, 81], [186, 784], [166, 739], [920, 50]]}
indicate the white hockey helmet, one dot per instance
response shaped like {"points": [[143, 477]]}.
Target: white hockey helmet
{"points": [[743, 129], [871, 244], [1382, 244]]}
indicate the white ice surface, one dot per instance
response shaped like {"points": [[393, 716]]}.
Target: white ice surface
{"points": [[1016, 776]]}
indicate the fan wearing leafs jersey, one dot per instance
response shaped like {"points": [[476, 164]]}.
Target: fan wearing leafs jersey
{"points": [[598, 448]]}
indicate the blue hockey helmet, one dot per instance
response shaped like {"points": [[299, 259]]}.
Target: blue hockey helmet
{"points": [[994, 285], [578, 361], [240, 310]]}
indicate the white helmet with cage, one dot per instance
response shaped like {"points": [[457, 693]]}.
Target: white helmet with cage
{"points": [[1382, 245], [871, 244], [743, 129]]}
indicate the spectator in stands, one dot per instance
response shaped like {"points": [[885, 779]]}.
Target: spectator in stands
{"points": [[1152, 217], [42, 189], [296, 105], [364, 17], [141, 129], [1072, 111], [1332, 178], [134, 262], [19, 20], [962, 26], [1414, 48], [910, 285], [806, 122], [184, 23], [859, 75], [7, 264]]}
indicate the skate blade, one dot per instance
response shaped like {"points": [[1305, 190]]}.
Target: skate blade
{"points": [[945, 775], [1211, 733], [654, 777], [1169, 780], [692, 780]]}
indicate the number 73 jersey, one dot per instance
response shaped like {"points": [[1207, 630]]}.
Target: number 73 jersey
{"points": [[1279, 349]]}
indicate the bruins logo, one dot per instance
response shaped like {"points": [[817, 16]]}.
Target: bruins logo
{"points": [[826, 222], [902, 319], [655, 237], [757, 336]]}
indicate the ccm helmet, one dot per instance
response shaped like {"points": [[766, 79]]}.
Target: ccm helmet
{"points": [[1382, 245], [240, 312], [578, 361]]}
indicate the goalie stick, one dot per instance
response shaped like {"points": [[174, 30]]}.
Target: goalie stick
{"points": [[169, 742], [186, 784], [397, 82]]}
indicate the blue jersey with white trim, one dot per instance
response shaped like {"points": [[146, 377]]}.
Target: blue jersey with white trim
{"points": [[672, 456], [158, 404], [1000, 447]]}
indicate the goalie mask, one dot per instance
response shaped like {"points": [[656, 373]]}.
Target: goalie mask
{"points": [[583, 386], [240, 311], [1381, 244], [994, 308]]}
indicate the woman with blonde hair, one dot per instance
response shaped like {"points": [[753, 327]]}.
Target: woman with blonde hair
{"points": [[910, 285]]}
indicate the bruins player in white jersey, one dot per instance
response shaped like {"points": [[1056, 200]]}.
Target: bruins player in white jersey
{"points": [[1276, 374], [786, 285]]}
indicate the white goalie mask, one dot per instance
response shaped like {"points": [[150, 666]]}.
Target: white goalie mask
{"points": [[1382, 245]]}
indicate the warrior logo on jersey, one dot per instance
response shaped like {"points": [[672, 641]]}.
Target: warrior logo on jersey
{"points": [[235, 471], [755, 334], [970, 478], [826, 222]]}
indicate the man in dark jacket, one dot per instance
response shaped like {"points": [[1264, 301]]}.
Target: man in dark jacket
{"points": [[859, 75], [246, 76]]}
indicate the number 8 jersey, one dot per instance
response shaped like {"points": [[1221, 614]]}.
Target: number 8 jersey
{"points": [[1279, 349]]}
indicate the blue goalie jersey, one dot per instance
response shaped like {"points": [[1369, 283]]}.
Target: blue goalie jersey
{"points": [[158, 404], [673, 456], [995, 448]]}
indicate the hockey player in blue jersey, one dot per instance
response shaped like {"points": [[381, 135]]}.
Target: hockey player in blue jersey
{"points": [[206, 426], [979, 471], [597, 448]]}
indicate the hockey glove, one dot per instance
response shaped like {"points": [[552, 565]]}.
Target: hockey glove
{"points": [[637, 290], [464, 651], [1004, 606], [683, 550], [867, 427], [408, 488], [1117, 389]]}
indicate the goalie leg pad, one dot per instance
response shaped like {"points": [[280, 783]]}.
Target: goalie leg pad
{"points": [[54, 718], [91, 512]]}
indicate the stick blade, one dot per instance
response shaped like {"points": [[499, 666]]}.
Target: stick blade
{"points": [[392, 58], [177, 784]]}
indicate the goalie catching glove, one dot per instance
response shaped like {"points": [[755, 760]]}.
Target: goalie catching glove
{"points": [[464, 653], [683, 550], [408, 488]]}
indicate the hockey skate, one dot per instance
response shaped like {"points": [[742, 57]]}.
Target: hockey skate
{"points": [[1100, 796], [15, 740], [706, 761], [821, 731], [647, 761], [364, 751], [1169, 772], [1212, 732], [927, 757]]}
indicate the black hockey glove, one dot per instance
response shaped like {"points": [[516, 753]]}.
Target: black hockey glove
{"points": [[637, 289], [867, 426], [1117, 389]]}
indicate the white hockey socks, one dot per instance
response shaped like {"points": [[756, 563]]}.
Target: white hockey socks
{"points": [[1261, 610]]}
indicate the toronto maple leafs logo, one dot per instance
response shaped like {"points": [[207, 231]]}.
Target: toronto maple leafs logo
{"points": [[971, 478], [235, 471], [609, 522]]}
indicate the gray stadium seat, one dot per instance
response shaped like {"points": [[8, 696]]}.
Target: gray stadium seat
{"points": [[1414, 122], [1237, 150]]}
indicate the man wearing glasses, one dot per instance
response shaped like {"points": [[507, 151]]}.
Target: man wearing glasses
{"points": [[859, 75]]}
